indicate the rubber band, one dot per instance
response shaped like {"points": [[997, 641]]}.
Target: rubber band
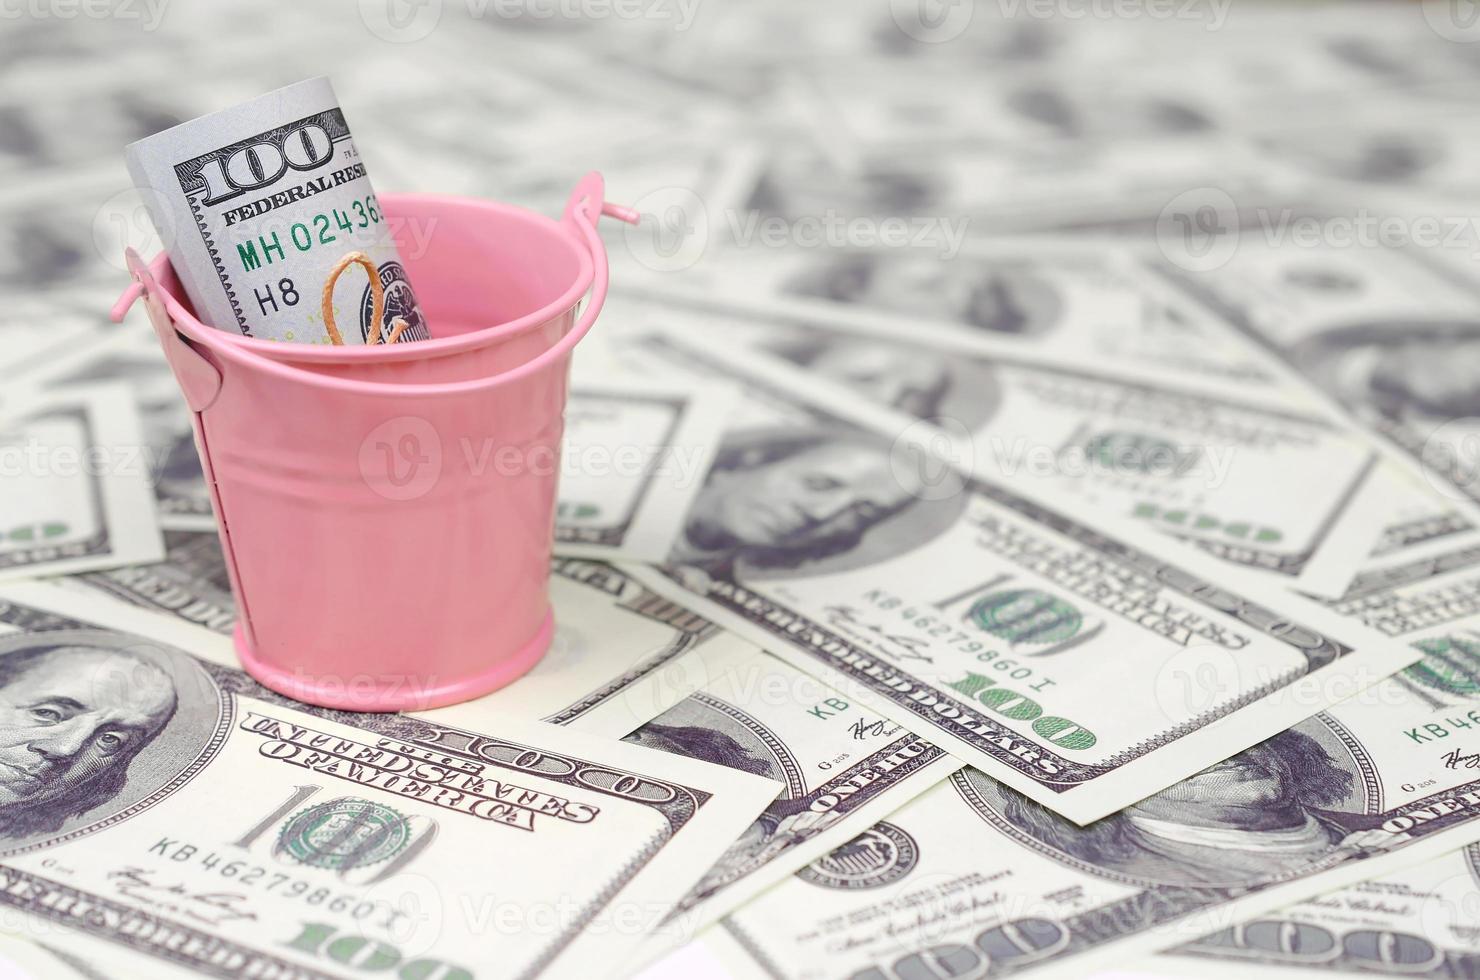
{"points": [[377, 300]]}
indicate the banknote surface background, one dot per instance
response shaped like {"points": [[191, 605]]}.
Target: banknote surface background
{"points": [[1034, 442]]}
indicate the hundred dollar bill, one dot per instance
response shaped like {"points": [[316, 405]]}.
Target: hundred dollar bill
{"points": [[1419, 523], [1383, 779], [258, 207], [132, 358], [1011, 190], [1066, 110], [843, 767], [1209, 470], [167, 805], [1308, 810], [621, 654], [34, 958], [1426, 602], [634, 455], [191, 583], [1420, 921], [1413, 521], [74, 482], [1386, 335], [1071, 655], [1330, 801], [1067, 305]]}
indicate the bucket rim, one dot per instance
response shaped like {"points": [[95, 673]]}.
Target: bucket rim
{"points": [[174, 325], [422, 349]]}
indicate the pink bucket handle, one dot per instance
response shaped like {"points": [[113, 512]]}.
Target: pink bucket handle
{"points": [[588, 203], [199, 379], [583, 210]]}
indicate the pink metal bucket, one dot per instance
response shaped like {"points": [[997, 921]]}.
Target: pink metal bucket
{"points": [[387, 513]]}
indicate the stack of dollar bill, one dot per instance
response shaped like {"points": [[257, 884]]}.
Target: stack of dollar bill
{"points": [[1019, 511]]}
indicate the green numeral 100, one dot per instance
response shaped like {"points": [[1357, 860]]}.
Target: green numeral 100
{"points": [[371, 955], [1010, 704]]}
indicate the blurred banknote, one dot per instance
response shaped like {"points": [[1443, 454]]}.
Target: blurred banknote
{"points": [[991, 622], [1208, 469], [74, 483], [1071, 304], [170, 806], [843, 767], [1418, 921], [1388, 335], [634, 455], [1379, 780], [1289, 818]]}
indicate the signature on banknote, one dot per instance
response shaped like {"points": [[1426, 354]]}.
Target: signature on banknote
{"points": [[1456, 759], [210, 907]]}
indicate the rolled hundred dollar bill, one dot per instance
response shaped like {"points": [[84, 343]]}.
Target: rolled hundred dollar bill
{"points": [[271, 223]]}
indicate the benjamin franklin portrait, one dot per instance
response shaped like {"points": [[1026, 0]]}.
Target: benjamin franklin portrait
{"points": [[978, 293], [1374, 156], [703, 727], [918, 381], [79, 711], [1267, 812], [1416, 372], [799, 181], [776, 499], [1074, 116]]}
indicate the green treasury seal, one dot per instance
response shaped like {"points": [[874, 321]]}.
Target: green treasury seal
{"points": [[344, 834]]}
